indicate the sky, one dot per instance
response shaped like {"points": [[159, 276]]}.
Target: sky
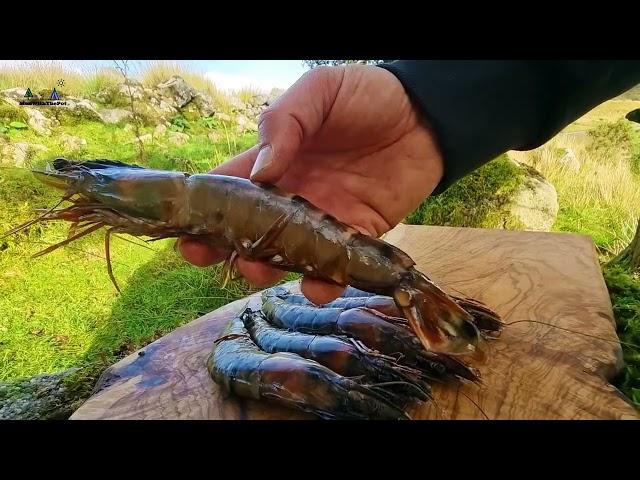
{"points": [[226, 74]]}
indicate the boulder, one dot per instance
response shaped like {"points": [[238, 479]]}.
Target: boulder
{"points": [[159, 131], [146, 138], [502, 194], [13, 95], [570, 161], [38, 122], [43, 397], [534, 203], [82, 108], [131, 89], [178, 92], [115, 115], [71, 143], [13, 154], [178, 138]]}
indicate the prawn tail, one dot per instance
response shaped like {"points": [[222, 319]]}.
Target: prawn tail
{"points": [[441, 324], [486, 319]]}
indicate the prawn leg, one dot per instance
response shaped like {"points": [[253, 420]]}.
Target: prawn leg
{"points": [[263, 247]]}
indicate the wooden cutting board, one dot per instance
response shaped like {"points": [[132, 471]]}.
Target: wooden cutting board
{"points": [[534, 371]]}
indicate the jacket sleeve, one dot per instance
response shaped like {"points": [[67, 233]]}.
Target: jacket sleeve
{"points": [[480, 109]]}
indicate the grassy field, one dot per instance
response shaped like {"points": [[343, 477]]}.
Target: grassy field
{"points": [[61, 310]]}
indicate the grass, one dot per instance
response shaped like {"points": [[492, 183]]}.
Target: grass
{"points": [[475, 201], [602, 198], [61, 310], [624, 290]]}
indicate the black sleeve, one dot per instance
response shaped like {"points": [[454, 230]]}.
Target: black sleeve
{"points": [[480, 109]]}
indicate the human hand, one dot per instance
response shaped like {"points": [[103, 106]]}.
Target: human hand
{"points": [[349, 141]]}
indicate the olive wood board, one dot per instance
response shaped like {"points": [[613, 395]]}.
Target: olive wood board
{"points": [[533, 371]]}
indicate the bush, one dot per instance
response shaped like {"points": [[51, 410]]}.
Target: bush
{"points": [[611, 139]]}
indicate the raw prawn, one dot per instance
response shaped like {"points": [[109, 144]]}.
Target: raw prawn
{"points": [[345, 356], [255, 222], [240, 367], [483, 317], [372, 328]]}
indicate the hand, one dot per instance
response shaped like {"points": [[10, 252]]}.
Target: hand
{"points": [[349, 141]]}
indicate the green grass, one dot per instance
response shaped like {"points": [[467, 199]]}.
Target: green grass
{"points": [[474, 201], [61, 310], [624, 289]]}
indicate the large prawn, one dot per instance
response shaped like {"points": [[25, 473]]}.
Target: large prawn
{"points": [[238, 366], [255, 222]]}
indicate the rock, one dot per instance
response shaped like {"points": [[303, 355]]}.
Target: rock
{"points": [[244, 124], [570, 161], [40, 124], [13, 95], [236, 103], [44, 397], [159, 131], [131, 89], [224, 117], [83, 108], [14, 154], [36, 147], [179, 92], [165, 109], [215, 137], [534, 203], [147, 137], [178, 138], [71, 143], [115, 115], [204, 104]]}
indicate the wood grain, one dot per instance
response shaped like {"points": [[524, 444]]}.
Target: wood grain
{"points": [[533, 371]]}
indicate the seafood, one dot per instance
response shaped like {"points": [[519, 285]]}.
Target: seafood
{"points": [[373, 329], [241, 368], [483, 317], [344, 356], [256, 222]]}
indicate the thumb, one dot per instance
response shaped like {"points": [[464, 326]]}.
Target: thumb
{"points": [[295, 117]]}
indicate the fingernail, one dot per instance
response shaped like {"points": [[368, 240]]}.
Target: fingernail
{"points": [[264, 159]]}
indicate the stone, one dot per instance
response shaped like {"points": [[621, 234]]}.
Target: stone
{"points": [[159, 131], [146, 138], [43, 397], [570, 161], [83, 108], [131, 89], [115, 115], [13, 95], [224, 117], [38, 122], [177, 90], [534, 203], [178, 138], [71, 143], [14, 154]]}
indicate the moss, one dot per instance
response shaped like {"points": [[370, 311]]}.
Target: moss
{"points": [[474, 201], [11, 113], [624, 291]]}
